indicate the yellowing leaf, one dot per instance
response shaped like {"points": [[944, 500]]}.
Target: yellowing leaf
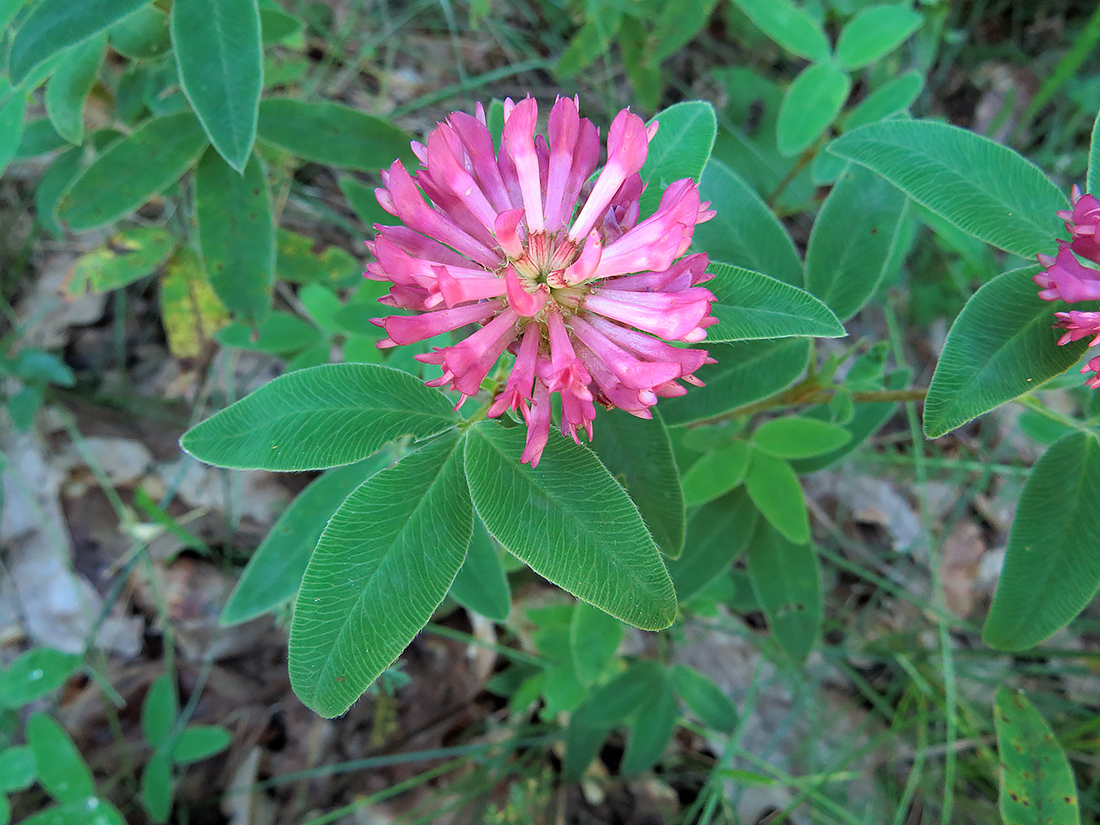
{"points": [[191, 311], [127, 257]]}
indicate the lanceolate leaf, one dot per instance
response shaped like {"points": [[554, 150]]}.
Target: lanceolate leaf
{"points": [[744, 232], [751, 306], [332, 134], [680, 149], [814, 98], [383, 565], [571, 523], [717, 534], [220, 61], [638, 454], [69, 86], [236, 234], [133, 170], [787, 583], [1036, 781], [12, 114], [745, 372], [61, 769], [1001, 346], [982, 187], [874, 32], [319, 417], [789, 26], [274, 573], [1052, 569], [774, 489], [652, 728], [482, 583], [853, 240], [56, 24]]}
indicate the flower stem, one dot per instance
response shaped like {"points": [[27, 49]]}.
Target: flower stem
{"points": [[808, 393]]}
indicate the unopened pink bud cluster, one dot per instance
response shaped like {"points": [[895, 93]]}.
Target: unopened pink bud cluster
{"points": [[1065, 278], [553, 268]]}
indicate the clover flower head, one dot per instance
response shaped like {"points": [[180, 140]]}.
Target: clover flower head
{"points": [[1066, 278], [556, 268]]}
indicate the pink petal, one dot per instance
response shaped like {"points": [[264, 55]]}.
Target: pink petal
{"points": [[408, 329], [518, 142], [627, 146]]}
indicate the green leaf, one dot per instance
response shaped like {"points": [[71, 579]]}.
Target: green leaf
{"points": [[1051, 571], [889, 99], [220, 61], [127, 257], [274, 573], [24, 406], [39, 138], [751, 306], [298, 262], [158, 713], [680, 149], [482, 584], [189, 309], [278, 26], [571, 523], [637, 452], [798, 437], [873, 33], [789, 26], [594, 638], [55, 181], [199, 742], [280, 334], [1036, 781], [814, 98], [61, 769], [67, 90], [142, 35], [651, 730], [1001, 346], [35, 366], [133, 170], [590, 41], [236, 234], [787, 583], [383, 565], [89, 811], [985, 189], [332, 134], [774, 489], [605, 708], [746, 371], [360, 198], [33, 674], [11, 127], [1093, 179], [854, 239], [716, 473], [156, 787], [54, 25], [320, 417], [677, 25], [717, 534], [744, 232], [704, 699], [867, 420], [17, 769]]}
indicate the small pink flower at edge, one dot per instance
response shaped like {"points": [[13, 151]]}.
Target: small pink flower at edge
{"points": [[1065, 278], [554, 269]]}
